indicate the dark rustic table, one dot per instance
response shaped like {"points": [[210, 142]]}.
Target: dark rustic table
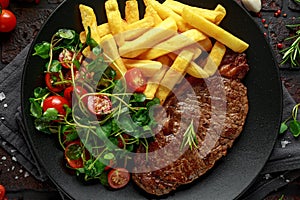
{"points": [[30, 16]]}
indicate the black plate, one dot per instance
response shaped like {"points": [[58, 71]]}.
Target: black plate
{"points": [[233, 174]]}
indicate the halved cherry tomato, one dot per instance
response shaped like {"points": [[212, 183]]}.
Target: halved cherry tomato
{"points": [[99, 104], [4, 3], [135, 80], [8, 21], [56, 102], [2, 192], [51, 79], [118, 178], [66, 57], [68, 93], [73, 154]]}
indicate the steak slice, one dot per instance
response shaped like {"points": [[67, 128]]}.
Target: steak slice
{"points": [[216, 112]]}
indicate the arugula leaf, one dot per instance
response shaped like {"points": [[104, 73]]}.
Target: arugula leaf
{"points": [[295, 128], [35, 109], [42, 50], [54, 67], [40, 92], [283, 127], [66, 33], [50, 114]]}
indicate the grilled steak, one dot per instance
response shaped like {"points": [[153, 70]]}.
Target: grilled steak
{"points": [[216, 112]]}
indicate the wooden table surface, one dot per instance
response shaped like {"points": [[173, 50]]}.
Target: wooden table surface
{"points": [[21, 185]]}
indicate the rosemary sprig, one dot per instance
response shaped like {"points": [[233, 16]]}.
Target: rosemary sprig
{"points": [[189, 138], [292, 53]]}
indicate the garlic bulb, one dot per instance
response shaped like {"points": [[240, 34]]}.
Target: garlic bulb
{"points": [[252, 5]]}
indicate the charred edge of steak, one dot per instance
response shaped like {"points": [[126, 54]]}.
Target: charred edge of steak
{"points": [[194, 162]]}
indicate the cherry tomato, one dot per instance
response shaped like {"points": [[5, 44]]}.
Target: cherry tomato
{"points": [[4, 3], [51, 79], [8, 21], [99, 105], [135, 80], [68, 93], [2, 192], [73, 154], [56, 102], [118, 178], [66, 57]]}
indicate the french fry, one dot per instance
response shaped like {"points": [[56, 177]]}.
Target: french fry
{"points": [[196, 71], [165, 30], [150, 12], [153, 83], [134, 30], [222, 12], [132, 11], [165, 12], [205, 44], [115, 20], [174, 43], [111, 51], [214, 58], [174, 74], [88, 18], [102, 30], [214, 16], [148, 67], [214, 31]]}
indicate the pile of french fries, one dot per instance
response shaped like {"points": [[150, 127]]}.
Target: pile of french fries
{"points": [[165, 44]]}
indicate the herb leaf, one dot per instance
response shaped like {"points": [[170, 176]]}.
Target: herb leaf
{"points": [[295, 128]]}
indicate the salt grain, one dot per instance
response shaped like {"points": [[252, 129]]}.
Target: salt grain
{"points": [[3, 143], [21, 170], [5, 105], [13, 151], [13, 168], [284, 143], [14, 159], [268, 176], [26, 174], [16, 177], [2, 96], [287, 180], [3, 158]]}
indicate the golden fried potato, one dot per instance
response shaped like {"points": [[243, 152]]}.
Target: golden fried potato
{"points": [[136, 29], [148, 67], [215, 57], [115, 20], [174, 74], [88, 18], [111, 52], [165, 30], [174, 43], [214, 31], [132, 11], [165, 12]]}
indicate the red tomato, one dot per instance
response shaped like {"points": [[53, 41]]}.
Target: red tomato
{"points": [[99, 105], [51, 79], [56, 102], [4, 3], [8, 21], [73, 154], [68, 93], [66, 57], [2, 192], [118, 178], [135, 80]]}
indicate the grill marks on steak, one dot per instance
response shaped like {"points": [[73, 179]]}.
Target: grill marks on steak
{"points": [[219, 108]]}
